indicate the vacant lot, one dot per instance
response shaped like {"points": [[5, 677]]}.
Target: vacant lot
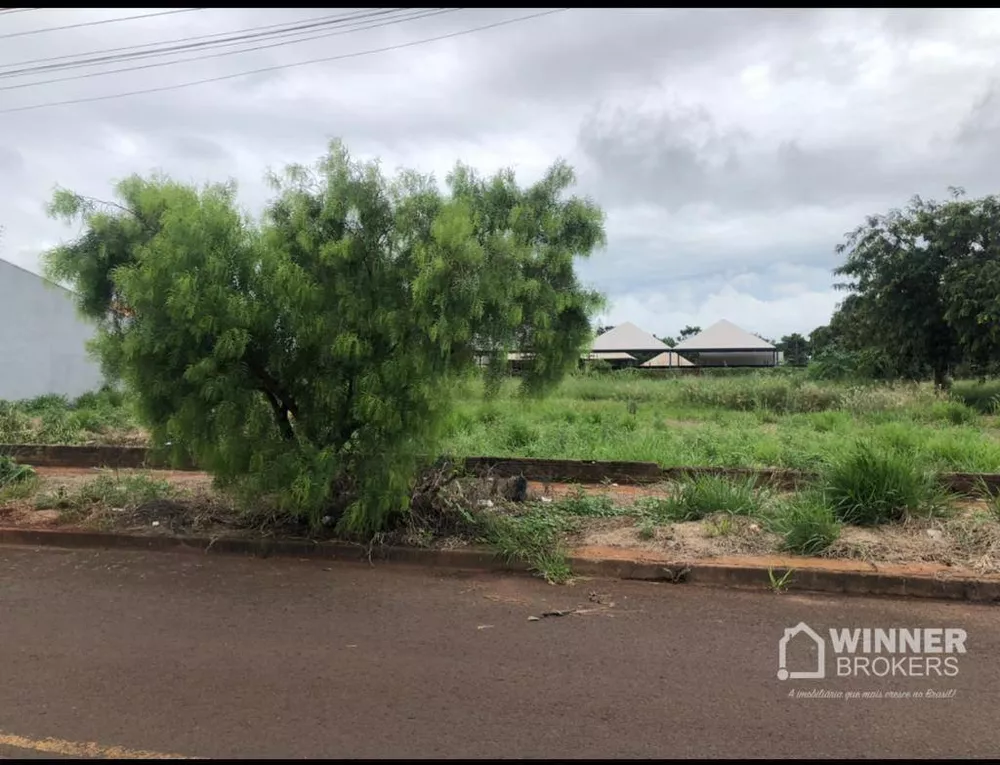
{"points": [[768, 419]]}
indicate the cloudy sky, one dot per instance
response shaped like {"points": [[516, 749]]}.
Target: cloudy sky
{"points": [[731, 149]]}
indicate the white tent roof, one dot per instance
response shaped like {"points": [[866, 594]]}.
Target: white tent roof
{"points": [[667, 359], [724, 336], [627, 337]]}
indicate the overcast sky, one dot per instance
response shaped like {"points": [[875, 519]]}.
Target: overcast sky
{"points": [[731, 149]]}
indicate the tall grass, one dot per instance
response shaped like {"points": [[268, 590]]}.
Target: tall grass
{"points": [[772, 418], [873, 485], [706, 421]]}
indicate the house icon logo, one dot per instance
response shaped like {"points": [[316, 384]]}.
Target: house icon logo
{"points": [[808, 633]]}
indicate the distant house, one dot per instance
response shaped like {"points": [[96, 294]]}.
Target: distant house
{"points": [[42, 339], [726, 345], [667, 360], [627, 339]]}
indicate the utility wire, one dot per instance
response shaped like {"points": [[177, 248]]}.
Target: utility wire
{"points": [[278, 67], [95, 23], [233, 38], [128, 69], [164, 42], [5, 11]]}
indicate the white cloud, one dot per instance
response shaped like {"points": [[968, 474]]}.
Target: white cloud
{"points": [[731, 148]]}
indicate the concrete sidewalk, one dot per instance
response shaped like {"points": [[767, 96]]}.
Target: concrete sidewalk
{"points": [[118, 654]]}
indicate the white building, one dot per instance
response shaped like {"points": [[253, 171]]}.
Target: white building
{"points": [[42, 339]]}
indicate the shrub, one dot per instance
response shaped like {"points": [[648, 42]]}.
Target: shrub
{"points": [[12, 473], [806, 524], [310, 356], [870, 486], [983, 397], [699, 497]]}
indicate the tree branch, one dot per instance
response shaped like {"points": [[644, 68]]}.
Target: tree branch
{"points": [[280, 414]]}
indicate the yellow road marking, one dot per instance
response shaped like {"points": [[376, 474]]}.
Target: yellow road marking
{"points": [[83, 749]]}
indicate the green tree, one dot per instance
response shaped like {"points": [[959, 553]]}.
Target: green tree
{"points": [[913, 273], [667, 340], [796, 349], [687, 332], [308, 357]]}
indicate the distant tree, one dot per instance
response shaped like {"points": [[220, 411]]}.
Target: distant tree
{"points": [[667, 340], [309, 357], [601, 329], [796, 349], [768, 340], [821, 338], [687, 332], [926, 282]]}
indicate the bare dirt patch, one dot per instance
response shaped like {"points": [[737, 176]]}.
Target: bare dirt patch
{"points": [[968, 538], [711, 538]]}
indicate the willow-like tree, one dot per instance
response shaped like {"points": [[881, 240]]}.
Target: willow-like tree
{"points": [[309, 357]]}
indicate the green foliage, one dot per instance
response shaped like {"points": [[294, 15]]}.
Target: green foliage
{"points": [[924, 284], [11, 472], [534, 538], [779, 395], [870, 486], [982, 397], [796, 349], [806, 524], [699, 497], [102, 416], [109, 490], [310, 357]]}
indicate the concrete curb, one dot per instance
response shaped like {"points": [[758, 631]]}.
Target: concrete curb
{"points": [[806, 575], [542, 470]]}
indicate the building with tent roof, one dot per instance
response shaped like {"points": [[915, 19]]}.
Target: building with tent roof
{"points": [[726, 345], [626, 339]]}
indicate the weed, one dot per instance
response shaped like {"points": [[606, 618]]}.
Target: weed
{"points": [[647, 529], [806, 524], [870, 486], [107, 490], [587, 505], [706, 495], [991, 498], [983, 397], [779, 584], [533, 538], [720, 526], [13, 473]]}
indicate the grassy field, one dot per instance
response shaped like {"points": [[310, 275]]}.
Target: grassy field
{"points": [[759, 420], [874, 449], [766, 419]]}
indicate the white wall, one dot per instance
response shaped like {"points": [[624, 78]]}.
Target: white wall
{"points": [[42, 339]]}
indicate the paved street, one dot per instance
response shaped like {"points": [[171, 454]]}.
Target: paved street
{"points": [[118, 654]]}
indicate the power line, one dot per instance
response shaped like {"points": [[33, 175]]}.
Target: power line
{"points": [[128, 69], [233, 38], [95, 23], [278, 67], [186, 39], [5, 11]]}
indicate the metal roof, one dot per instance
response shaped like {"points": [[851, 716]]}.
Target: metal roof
{"points": [[627, 337], [724, 336], [667, 359]]}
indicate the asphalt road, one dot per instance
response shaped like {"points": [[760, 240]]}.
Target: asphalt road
{"points": [[118, 654]]}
